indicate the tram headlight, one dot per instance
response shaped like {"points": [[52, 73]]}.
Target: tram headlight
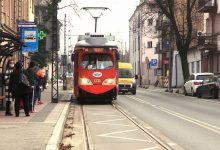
{"points": [[85, 81], [109, 81]]}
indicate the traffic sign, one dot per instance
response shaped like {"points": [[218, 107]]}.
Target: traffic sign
{"points": [[29, 38], [153, 64]]}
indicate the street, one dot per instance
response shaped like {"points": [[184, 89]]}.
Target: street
{"points": [[191, 122], [182, 122]]}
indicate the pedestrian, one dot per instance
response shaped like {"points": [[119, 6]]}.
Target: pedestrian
{"points": [[19, 91], [33, 82], [39, 86], [44, 82], [9, 99]]}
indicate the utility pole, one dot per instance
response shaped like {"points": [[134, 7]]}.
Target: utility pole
{"points": [[64, 63], [54, 84], [68, 54]]}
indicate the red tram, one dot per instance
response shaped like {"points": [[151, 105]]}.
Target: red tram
{"points": [[95, 67]]}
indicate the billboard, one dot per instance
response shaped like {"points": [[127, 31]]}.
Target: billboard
{"points": [[29, 38]]}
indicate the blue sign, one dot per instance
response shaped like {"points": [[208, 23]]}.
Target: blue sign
{"points": [[29, 37], [153, 63]]}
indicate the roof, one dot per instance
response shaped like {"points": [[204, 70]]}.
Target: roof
{"points": [[122, 65], [96, 40]]}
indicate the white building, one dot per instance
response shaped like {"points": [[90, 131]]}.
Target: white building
{"points": [[143, 39]]}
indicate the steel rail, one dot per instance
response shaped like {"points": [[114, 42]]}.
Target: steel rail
{"points": [[87, 139], [159, 141]]}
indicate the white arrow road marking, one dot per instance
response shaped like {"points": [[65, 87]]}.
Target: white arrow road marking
{"points": [[115, 124], [125, 138]]}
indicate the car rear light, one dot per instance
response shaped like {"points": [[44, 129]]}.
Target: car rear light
{"points": [[197, 83]]}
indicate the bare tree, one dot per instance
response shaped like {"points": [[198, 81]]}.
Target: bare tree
{"points": [[183, 19]]}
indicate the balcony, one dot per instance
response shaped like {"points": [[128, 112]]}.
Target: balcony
{"points": [[162, 23], [207, 42], [206, 6], [159, 50]]}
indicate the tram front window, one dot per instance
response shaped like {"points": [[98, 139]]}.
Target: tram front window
{"points": [[97, 61]]}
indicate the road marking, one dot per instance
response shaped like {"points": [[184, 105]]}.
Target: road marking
{"points": [[171, 144], [125, 138], [102, 114], [181, 116], [114, 124], [151, 148]]}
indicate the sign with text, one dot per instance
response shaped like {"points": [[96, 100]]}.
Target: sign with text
{"points": [[153, 64], [29, 37]]}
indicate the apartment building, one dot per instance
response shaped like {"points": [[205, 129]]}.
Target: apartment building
{"points": [[209, 39], [13, 11], [142, 41]]}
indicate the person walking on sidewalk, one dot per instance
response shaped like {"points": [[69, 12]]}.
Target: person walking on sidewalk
{"points": [[33, 81], [9, 70], [19, 92], [39, 88]]}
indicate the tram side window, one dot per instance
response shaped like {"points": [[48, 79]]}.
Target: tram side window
{"points": [[97, 61]]}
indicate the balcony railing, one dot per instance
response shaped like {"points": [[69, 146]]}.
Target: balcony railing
{"points": [[159, 50], [207, 42], [206, 6]]}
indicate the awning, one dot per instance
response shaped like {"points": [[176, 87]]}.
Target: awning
{"points": [[9, 44]]}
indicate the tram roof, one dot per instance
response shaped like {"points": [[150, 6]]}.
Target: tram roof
{"points": [[96, 40]]}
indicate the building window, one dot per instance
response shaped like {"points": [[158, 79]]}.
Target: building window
{"points": [[149, 44], [150, 22]]}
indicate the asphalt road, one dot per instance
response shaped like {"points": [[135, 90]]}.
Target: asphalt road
{"points": [[192, 123]]}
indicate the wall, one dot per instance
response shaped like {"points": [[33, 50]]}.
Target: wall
{"points": [[193, 57]]}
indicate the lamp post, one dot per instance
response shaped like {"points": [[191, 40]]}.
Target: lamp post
{"points": [[95, 17]]}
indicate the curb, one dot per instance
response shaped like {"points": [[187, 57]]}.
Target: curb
{"points": [[55, 139], [173, 90]]}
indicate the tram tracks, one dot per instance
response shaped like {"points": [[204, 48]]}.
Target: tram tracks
{"points": [[86, 134], [77, 134], [154, 137]]}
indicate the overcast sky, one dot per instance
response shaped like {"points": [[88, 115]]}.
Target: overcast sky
{"points": [[114, 21]]}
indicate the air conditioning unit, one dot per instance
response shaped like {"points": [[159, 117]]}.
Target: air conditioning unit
{"points": [[200, 33]]}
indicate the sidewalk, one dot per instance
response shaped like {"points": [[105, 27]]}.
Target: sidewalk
{"points": [[42, 130], [178, 90]]}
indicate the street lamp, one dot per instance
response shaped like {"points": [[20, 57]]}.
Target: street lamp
{"points": [[95, 17]]}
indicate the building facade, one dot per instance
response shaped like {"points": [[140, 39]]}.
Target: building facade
{"points": [[14, 11], [11, 13], [143, 38], [209, 39]]}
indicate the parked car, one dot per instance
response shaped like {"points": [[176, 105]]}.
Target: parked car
{"points": [[195, 80], [210, 88]]}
